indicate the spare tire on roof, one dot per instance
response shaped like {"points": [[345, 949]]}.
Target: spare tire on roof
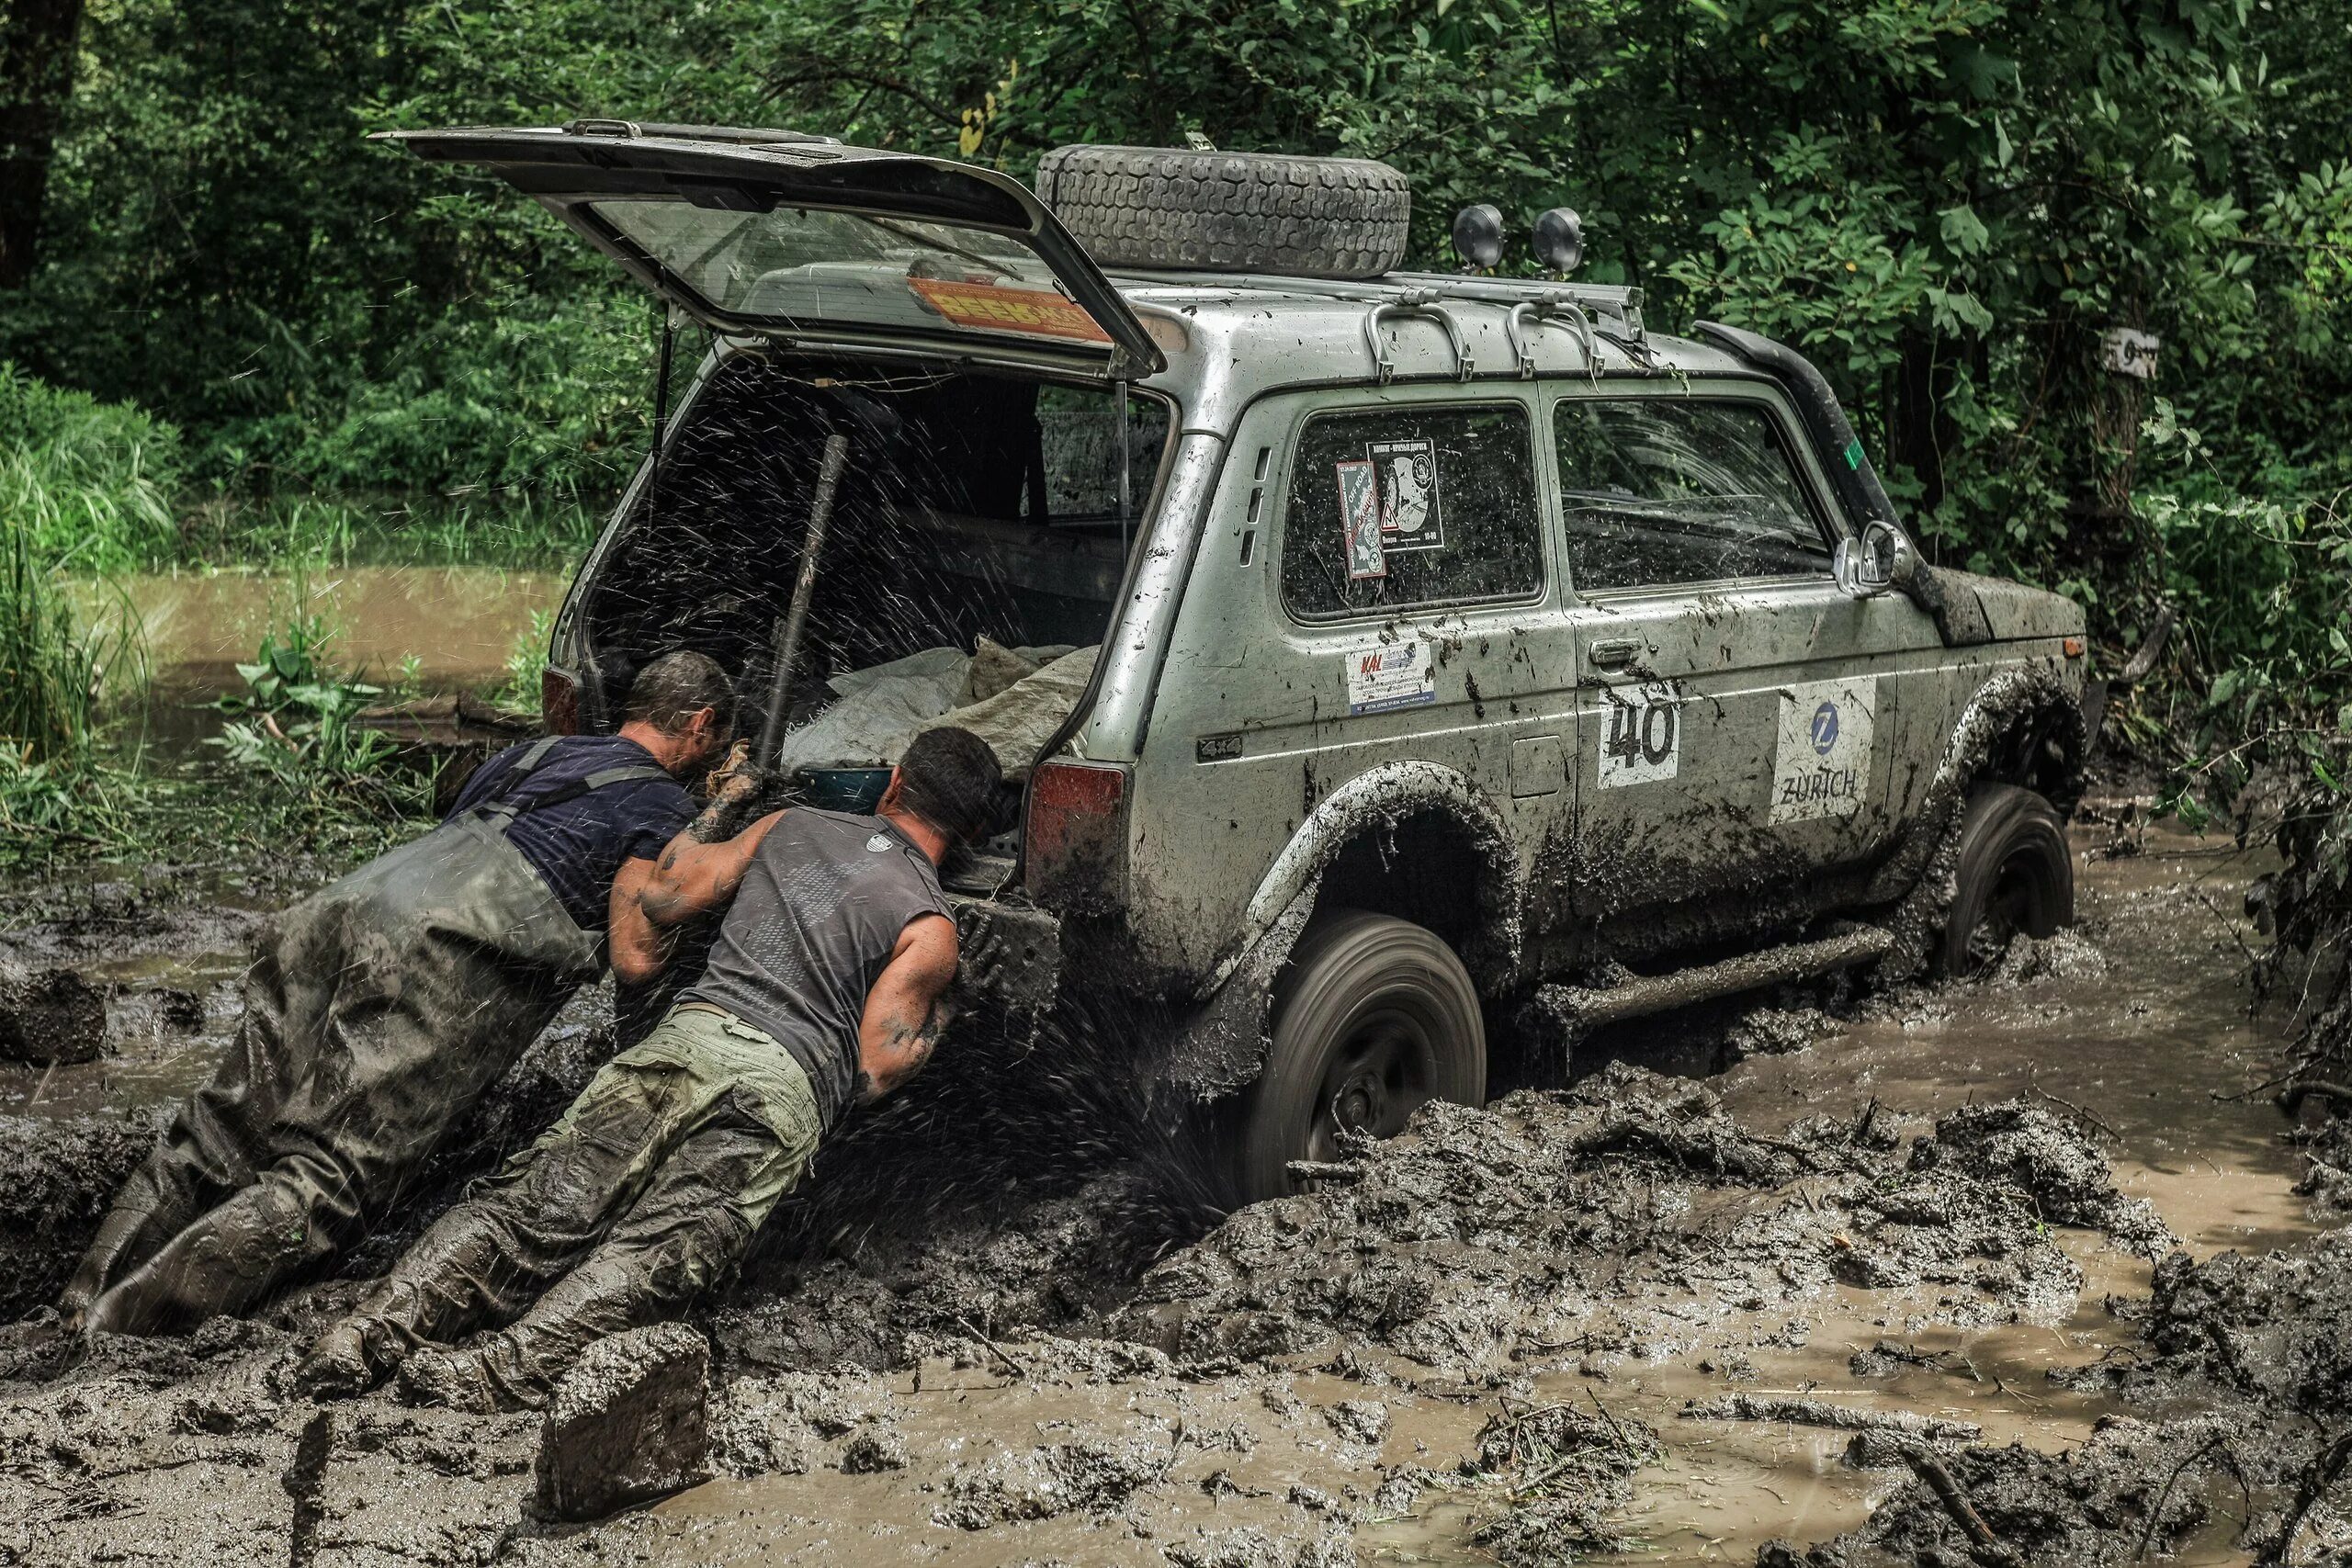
{"points": [[1157, 206]]}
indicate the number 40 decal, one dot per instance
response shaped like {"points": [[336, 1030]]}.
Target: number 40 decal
{"points": [[1642, 740]]}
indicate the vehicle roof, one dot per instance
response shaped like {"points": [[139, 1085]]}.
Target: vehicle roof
{"points": [[1244, 335]]}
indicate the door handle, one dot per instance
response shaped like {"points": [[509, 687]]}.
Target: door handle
{"points": [[1611, 653]]}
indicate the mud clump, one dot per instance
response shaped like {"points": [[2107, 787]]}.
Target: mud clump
{"points": [[57, 1177], [2133, 1490], [1566, 1475], [2048, 1161], [2263, 1345], [1570, 1218], [48, 1016]]}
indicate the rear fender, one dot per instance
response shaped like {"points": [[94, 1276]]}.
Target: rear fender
{"points": [[1223, 1046]]}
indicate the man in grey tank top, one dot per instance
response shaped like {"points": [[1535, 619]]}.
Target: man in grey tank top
{"points": [[826, 986]]}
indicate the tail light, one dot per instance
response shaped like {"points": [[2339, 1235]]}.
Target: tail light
{"points": [[558, 701], [1076, 842]]}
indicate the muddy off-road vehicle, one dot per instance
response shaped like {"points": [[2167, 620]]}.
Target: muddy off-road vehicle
{"points": [[1406, 658]]}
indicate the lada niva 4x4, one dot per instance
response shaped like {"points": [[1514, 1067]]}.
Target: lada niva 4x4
{"points": [[1386, 662]]}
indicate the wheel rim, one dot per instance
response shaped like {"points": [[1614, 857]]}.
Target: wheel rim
{"points": [[2008, 909], [1380, 1070]]}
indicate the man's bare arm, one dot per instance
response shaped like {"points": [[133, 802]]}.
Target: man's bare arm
{"points": [[907, 1010], [696, 874], [639, 952]]}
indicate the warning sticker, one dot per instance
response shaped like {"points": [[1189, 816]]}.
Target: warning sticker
{"points": [[1359, 519], [1642, 740], [992, 306], [1384, 675], [1410, 517], [1822, 767]]}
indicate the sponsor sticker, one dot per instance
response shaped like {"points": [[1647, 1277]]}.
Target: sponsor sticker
{"points": [[1360, 520], [1410, 517], [1384, 675], [1642, 740], [1822, 766], [993, 306]]}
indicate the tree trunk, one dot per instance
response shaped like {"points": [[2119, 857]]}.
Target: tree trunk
{"points": [[36, 81]]}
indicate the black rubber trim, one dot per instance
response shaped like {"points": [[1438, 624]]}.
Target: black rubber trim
{"points": [[1959, 618]]}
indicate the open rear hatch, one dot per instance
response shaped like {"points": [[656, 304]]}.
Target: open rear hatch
{"points": [[822, 245]]}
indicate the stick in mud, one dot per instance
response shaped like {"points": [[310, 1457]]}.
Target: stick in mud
{"points": [[1989, 1547], [1818, 1413]]}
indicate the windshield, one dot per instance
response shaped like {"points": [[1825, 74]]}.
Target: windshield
{"points": [[795, 265]]}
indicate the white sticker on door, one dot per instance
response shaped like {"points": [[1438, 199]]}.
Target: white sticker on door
{"points": [[1410, 518], [1384, 675], [1823, 766], [1640, 740]]}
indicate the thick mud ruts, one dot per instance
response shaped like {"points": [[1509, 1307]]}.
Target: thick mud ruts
{"points": [[993, 1331], [1568, 1217]]}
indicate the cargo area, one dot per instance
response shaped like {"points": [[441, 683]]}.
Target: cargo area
{"points": [[966, 572]]}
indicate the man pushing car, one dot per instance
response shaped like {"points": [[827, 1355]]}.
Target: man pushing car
{"points": [[826, 986], [378, 1008]]}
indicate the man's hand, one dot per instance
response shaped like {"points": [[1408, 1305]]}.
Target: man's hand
{"points": [[735, 778], [907, 1010]]}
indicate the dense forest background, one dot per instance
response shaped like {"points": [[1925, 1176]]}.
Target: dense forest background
{"points": [[1945, 202]]}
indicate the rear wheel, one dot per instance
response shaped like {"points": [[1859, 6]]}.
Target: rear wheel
{"points": [[2015, 876], [1373, 1018]]}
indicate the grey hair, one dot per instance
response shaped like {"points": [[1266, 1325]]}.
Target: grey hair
{"points": [[667, 692]]}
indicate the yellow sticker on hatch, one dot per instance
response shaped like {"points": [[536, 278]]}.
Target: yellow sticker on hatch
{"points": [[991, 306]]}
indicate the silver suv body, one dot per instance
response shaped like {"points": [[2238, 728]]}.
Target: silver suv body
{"points": [[1467, 603]]}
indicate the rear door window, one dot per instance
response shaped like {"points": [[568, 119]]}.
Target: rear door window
{"points": [[1664, 491], [1410, 505]]}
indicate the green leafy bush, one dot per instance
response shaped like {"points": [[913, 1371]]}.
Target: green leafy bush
{"points": [[89, 484]]}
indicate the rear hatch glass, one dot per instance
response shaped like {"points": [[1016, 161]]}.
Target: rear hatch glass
{"points": [[823, 245]]}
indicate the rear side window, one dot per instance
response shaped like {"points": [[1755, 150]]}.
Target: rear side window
{"points": [[1663, 491], [1401, 506]]}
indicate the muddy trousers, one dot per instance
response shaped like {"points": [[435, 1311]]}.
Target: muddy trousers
{"points": [[645, 1193], [376, 1010]]}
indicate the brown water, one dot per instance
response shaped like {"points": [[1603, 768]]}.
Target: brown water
{"points": [[459, 622]]}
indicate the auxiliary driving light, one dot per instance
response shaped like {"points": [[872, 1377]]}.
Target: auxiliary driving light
{"points": [[1559, 240], [1478, 236]]}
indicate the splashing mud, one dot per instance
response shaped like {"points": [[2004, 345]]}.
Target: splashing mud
{"points": [[1001, 1324]]}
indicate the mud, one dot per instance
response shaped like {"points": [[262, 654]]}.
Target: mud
{"points": [[990, 1330]]}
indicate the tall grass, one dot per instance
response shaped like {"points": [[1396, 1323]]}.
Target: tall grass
{"points": [[88, 484], [508, 528], [49, 668]]}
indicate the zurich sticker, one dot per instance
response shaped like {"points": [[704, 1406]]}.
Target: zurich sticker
{"points": [[1821, 766]]}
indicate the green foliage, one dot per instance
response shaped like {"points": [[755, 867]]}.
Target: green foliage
{"points": [[526, 662], [1944, 203], [298, 730], [88, 484], [50, 669]]}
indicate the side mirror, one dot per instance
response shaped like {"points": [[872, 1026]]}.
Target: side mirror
{"points": [[1882, 560]]}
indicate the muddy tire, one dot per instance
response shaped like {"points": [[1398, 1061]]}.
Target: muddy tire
{"points": [[1156, 207], [1372, 1018], [2014, 874]]}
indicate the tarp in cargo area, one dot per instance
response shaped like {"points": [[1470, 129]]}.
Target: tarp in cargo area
{"points": [[1014, 698]]}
